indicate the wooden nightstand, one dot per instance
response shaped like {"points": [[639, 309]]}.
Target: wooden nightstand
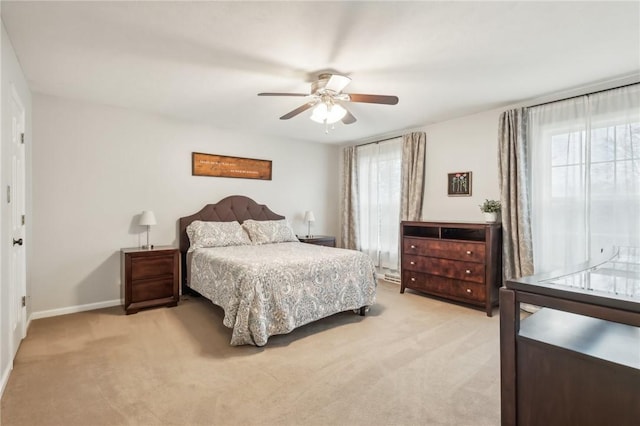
{"points": [[150, 277], [319, 240]]}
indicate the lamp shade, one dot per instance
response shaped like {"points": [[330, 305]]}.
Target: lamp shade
{"points": [[309, 217], [147, 218], [328, 113]]}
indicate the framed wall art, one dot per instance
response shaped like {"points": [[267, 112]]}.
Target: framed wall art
{"points": [[459, 184], [225, 166]]}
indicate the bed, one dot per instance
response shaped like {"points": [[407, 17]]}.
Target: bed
{"points": [[267, 282]]}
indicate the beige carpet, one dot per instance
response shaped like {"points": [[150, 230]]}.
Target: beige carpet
{"points": [[411, 361]]}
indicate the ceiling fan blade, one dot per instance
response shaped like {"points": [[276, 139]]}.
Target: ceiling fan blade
{"points": [[297, 111], [348, 118], [283, 94], [373, 99], [337, 83]]}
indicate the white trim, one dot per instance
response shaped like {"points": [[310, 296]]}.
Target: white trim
{"points": [[74, 309], [5, 377]]}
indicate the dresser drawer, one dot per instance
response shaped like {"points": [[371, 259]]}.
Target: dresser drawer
{"points": [[144, 290], [446, 287], [469, 290], [467, 251], [151, 266], [467, 271]]}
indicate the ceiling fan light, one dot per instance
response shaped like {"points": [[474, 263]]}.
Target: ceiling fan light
{"points": [[329, 114]]}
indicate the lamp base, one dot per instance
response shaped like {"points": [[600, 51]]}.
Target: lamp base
{"points": [[148, 246]]}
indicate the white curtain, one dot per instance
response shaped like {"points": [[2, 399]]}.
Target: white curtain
{"points": [[585, 176], [379, 180]]}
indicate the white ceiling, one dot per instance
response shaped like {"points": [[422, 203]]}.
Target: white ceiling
{"points": [[206, 61]]}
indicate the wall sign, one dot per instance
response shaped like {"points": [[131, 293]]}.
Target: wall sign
{"points": [[224, 166]]}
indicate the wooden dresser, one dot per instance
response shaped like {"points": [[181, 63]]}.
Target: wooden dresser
{"points": [[456, 261]]}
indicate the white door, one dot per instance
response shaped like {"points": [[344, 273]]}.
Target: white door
{"points": [[15, 197]]}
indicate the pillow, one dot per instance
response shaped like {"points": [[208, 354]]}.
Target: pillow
{"points": [[269, 231], [216, 234]]}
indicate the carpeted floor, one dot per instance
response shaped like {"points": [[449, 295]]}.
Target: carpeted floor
{"points": [[411, 361]]}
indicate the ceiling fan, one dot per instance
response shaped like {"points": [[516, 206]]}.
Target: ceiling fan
{"points": [[327, 98]]}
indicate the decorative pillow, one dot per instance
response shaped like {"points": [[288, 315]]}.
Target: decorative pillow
{"points": [[269, 231], [216, 234]]}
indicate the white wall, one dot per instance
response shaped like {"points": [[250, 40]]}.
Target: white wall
{"points": [[467, 144], [95, 168], [11, 76]]}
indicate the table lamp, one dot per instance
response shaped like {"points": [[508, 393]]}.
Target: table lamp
{"points": [[147, 218], [309, 217]]}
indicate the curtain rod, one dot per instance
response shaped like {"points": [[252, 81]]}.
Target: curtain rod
{"points": [[381, 140], [579, 96]]}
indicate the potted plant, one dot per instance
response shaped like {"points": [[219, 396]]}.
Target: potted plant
{"points": [[490, 208]]}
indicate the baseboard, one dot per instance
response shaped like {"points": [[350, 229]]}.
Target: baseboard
{"points": [[5, 378], [74, 309]]}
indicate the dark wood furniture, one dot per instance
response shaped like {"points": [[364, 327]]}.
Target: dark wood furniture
{"points": [[319, 240], [150, 277], [455, 261], [577, 360]]}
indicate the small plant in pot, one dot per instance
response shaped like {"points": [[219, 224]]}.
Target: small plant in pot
{"points": [[490, 208]]}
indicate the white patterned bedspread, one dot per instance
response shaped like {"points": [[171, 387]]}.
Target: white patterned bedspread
{"points": [[273, 288]]}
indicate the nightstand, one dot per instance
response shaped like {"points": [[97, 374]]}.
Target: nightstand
{"points": [[150, 277], [319, 240]]}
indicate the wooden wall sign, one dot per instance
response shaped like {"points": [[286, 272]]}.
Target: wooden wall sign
{"points": [[235, 167]]}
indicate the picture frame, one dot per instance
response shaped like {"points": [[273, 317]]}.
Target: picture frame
{"points": [[459, 184], [233, 167]]}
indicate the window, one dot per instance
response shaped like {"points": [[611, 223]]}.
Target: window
{"points": [[585, 176], [379, 180]]}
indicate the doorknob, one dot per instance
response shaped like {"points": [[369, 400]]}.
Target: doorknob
{"points": [[18, 241]]}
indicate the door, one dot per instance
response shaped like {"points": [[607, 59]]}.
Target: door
{"points": [[16, 202]]}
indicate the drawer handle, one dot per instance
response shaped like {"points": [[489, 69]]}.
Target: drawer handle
{"points": [[412, 246], [413, 263], [469, 252], [468, 290], [413, 279], [468, 271]]}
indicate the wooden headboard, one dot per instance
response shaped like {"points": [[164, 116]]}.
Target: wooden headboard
{"points": [[234, 207]]}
